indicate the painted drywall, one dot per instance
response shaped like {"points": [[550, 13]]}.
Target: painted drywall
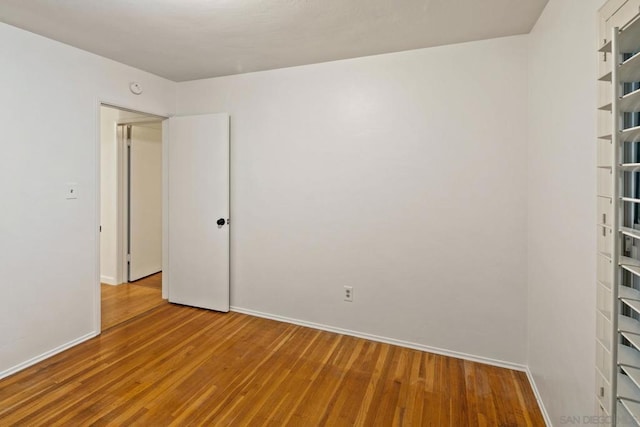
{"points": [[562, 207], [49, 264], [109, 181], [401, 175], [187, 40]]}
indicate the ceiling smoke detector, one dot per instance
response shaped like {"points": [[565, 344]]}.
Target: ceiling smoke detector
{"points": [[135, 88]]}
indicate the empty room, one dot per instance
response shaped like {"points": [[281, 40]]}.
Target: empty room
{"points": [[306, 212]]}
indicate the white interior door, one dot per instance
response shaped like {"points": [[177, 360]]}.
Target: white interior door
{"points": [[145, 201], [198, 165]]}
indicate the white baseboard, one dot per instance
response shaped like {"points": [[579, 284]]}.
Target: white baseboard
{"points": [[108, 280], [386, 340], [40, 358], [536, 392]]}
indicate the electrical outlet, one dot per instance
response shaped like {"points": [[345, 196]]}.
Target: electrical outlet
{"points": [[348, 293]]}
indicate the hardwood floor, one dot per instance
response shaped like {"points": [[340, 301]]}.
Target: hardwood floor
{"points": [[177, 365], [123, 302], [154, 281]]}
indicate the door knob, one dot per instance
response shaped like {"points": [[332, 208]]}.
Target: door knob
{"points": [[220, 222]]}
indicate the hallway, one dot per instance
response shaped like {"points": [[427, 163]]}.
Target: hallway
{"points": [[124, 302]]}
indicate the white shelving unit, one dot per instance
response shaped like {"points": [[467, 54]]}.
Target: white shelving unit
{"points": [[618, 223]]}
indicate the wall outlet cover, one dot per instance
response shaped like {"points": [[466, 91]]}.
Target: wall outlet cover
{"points": [[72, 190]]}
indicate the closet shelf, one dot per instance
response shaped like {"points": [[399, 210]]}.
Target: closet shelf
{"points": [[630, 199], [628, 356]]}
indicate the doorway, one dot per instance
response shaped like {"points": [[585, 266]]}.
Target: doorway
{"points": [[130, 214]]}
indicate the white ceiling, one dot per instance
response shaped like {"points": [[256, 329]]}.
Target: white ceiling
{"points": [[191, 39]]}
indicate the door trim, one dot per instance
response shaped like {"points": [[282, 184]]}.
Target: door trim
{"points": [[100, 102]]}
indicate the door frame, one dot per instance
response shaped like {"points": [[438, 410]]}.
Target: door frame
{"points": [[100, 102]]}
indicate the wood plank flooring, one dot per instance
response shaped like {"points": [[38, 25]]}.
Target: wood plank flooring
{"points": [[128, 300], [154, 281], [178, 365]]}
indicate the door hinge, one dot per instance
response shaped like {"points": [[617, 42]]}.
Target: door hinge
{"points": [[101, 229], [129, 257]]}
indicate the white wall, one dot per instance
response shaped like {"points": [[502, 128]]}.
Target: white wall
{"points": [[109, 197], [561, 206], [402, 175], [49, 265]]}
